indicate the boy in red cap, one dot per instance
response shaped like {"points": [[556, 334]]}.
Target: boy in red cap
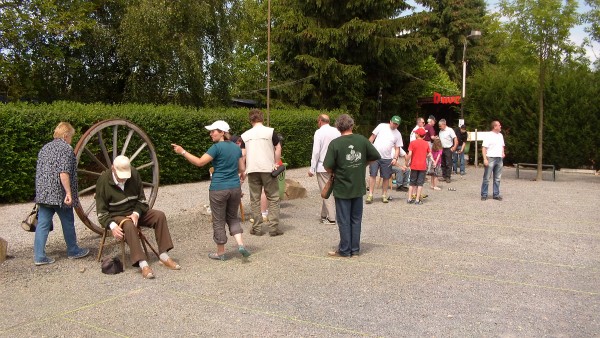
{"points": [[418, 151]]}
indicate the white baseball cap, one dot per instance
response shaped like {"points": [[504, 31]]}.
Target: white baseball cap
{"points": [[122, 166], [220, 124]]}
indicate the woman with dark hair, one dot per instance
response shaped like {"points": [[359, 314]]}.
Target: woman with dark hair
{"points": [[225, 191], [347, 157], [56, 192]]}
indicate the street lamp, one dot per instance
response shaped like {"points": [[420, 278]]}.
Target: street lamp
{"points": [[473, 35]]}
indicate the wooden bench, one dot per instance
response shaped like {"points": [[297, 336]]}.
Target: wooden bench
{"points": [[534, 166]]}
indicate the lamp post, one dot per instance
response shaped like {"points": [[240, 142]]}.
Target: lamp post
{"points": [[473, 35]]}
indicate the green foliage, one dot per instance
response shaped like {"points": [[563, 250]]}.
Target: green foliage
{"points": [[507, 91], [449, 23], [118, 50], [342, 53], [593, 18], [437, 80], [27, 127]]}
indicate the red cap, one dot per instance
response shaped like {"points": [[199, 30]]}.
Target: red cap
{"points": [[421, 132]]}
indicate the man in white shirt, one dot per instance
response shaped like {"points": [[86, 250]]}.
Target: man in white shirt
{"points": [[263, 152], [420, 124], [493, 153], [322, 138], [387, 140], [449, 143]]}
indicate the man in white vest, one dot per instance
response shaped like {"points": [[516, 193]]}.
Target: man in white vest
{"points": [[263, 154]]}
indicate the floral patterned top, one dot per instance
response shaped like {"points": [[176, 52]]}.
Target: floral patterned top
{"points": [[54, 158]]}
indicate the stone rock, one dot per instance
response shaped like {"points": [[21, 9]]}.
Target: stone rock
{"points": [[294, 190], [3, 249]]}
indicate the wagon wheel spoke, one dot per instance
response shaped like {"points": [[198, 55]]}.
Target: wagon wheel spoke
{"points": [[90, 208], [137, 152], [104, 151], [148, 184], [89, 152], [127, 140], [144, 166], [86, 190], [115, 140], [87, 172]]}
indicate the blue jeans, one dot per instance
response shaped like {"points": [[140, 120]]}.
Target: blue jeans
{"points": [[349, 218], [402, 177], [67, 220], [456, 159], [494, 168]]}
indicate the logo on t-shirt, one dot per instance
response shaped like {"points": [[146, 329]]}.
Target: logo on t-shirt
{"points": [[354, 155]]}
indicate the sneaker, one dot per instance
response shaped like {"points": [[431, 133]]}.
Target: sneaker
{"points": [[498, 198], [326, 221], [484, 198], [436, 188], [275, 233], [384, 199], [336, 254], [45, 261], [369, 199], [410, 201], [243, 251], [82, 253], [419, 202], [256, 232], [214, 255]]}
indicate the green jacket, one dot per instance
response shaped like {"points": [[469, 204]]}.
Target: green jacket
{"points": [[111, 201]]}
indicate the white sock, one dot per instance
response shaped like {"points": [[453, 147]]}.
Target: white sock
{"points": [[143, 264], [265, 213], [163, 256]]}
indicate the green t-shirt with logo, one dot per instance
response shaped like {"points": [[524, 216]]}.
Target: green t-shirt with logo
{"points": [[348, 156]]}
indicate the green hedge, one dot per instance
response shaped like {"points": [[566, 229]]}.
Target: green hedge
{"points": [[27, 127]]}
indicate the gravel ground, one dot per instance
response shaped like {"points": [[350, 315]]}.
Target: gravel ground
{"points": [[456, 266]]}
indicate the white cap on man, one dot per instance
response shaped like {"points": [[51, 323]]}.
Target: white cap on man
{"points": [[122, 167]]}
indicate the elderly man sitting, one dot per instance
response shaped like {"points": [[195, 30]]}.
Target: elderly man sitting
{"points": [[121, 205]]}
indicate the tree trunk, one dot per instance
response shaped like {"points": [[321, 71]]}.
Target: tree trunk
{"points": [[542, 85]]}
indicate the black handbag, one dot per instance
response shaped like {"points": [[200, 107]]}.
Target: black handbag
{"points": [[112, 266]]}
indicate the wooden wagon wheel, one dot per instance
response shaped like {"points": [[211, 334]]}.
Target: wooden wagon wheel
{"points": [[95, 152]]}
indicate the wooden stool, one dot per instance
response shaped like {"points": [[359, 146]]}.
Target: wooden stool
{"points": [[122, 241]]}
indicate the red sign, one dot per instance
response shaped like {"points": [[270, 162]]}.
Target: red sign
{"points": [[439, 99]]}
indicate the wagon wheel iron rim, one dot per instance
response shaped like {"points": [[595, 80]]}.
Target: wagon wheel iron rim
{"points": [[96, 149]]}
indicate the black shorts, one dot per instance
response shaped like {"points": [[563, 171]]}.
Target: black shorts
{"points": [[417, 178]]}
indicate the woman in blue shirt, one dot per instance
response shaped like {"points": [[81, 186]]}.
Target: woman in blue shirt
{"points": [[225, 192]]}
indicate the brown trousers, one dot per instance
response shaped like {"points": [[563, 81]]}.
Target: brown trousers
{"points": [[152, 219]]}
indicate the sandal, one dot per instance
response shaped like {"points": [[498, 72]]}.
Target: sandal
{"points": [[214, 255]]}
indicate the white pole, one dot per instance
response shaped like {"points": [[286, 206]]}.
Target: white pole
{"points": [[269, 64], [476, 150]]}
